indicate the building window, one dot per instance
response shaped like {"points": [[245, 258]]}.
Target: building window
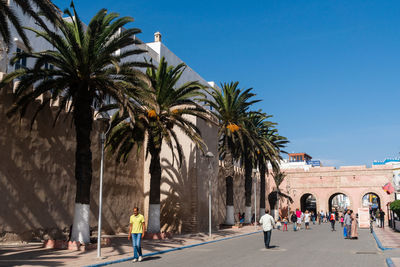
{"points": [[21, 63]]}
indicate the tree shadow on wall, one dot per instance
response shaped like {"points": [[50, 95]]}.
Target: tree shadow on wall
{"points": [[178, 208], [32, 165]]}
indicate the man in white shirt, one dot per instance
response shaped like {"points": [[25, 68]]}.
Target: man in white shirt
{"points": [[268, 223]]}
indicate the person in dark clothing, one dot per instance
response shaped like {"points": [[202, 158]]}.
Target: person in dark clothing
{"points": [[382, 218], [241, 220], [293, 219]]}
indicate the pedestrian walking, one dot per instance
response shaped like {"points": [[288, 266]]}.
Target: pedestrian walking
{"points": [[136, 232], [293, 219], [347, 223], [313, 217], [332, 220], [341, 220], [278, 224], [321, 216], [298, 215], [307, 217], [382, 215], [354, 232], [378, 218], [285, 223], [267, 223]]}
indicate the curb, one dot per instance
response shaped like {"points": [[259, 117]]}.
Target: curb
{"points": [[378, 242], [389, 262], [172, 249]]}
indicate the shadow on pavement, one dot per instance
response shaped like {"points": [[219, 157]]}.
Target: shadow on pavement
{"points": [[34, 256], [150, 258]]}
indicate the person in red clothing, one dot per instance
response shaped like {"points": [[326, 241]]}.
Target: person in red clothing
{"points": [[332, 219], [285, 223], [298, 215]]}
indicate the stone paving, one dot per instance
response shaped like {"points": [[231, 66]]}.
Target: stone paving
{"points": [[311, 248], [390, 239], [33, 254], [316, 247]]}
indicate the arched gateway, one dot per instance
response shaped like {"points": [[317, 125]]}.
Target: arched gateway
{"points": [[308, 202], [322, 188], [339, 202], [372, 201]]}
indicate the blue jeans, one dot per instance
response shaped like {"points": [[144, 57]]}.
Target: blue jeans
{"points": [[137, 249], [294, 226], [267, 238]]}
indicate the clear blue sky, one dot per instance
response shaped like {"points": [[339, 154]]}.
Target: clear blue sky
{"points": [[329, 71]]}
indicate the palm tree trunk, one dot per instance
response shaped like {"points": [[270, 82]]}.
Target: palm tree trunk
{"points": [[230, 171], [248, 185], [155, 191], [262, 189], [83, 120], [277, 204]]}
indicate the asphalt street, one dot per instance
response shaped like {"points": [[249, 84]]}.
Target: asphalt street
{"points": [[316, 247]]}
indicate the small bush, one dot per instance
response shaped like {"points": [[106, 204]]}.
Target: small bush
{"points": [[395, 207]]}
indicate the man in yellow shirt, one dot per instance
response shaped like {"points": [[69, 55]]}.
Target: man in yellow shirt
{"points": [[136, 231]]}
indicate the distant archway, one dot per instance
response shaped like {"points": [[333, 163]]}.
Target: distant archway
{"points": [[372, 201], [308, 202], [339, 201]]}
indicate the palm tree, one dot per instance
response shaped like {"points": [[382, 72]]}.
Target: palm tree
{"points": [[247, 156], [256, 146], [230, 107], [7, 13], [272, 147], [87, 70], [160, 121], [279, 177]]}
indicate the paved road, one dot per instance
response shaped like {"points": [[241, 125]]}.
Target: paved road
{"points": [[316, 247]]}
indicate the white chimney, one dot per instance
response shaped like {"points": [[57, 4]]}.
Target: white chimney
{"points": [[157, 37]]}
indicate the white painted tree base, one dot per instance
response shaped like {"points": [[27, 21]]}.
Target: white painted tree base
{"points": [[230, 216], [80, 227], [154, 219], [275, 214], [247, 215]]}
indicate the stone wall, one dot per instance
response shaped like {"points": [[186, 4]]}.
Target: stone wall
{"points": [[37, 184], [323, 182]]}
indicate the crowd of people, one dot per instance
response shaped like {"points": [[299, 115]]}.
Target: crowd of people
{"points": [[348, 221]]}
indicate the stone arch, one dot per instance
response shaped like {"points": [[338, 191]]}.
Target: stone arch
{"points": [[374, 191], [337, 192], [309, 192]]}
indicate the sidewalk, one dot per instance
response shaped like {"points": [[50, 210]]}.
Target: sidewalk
{"points": [[33, 254], [389, 239]]}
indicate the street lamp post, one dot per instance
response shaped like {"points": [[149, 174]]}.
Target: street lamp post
{"points": [[209, 156], [255, 197], [105, 118]]}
